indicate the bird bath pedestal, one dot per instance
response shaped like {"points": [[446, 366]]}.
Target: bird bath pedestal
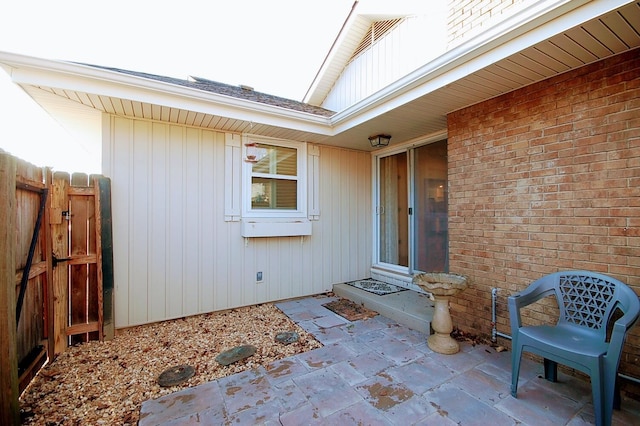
{"points": [[441, 286]]}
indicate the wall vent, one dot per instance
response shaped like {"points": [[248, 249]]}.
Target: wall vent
{"points": [[376, 31]]}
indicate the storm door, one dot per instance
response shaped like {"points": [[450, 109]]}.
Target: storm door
{"points": [[412, 209]]}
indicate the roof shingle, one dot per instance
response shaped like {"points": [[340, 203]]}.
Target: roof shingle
{"points": [[239, 92]]}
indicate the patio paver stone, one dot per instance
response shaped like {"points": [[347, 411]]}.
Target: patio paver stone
{"points": [[378, 372]]}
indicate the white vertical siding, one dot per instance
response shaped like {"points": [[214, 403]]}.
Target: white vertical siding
{"points": [[158, 218], [119, 159], [177, 254], [193, 225], [343, 239], [207, 204], [412, 43], [138, 215], [175, 223]]}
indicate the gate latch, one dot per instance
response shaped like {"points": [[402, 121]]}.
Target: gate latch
{"points": [[55, 260]]}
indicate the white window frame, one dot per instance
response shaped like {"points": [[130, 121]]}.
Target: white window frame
{"points": [[275, 222]]}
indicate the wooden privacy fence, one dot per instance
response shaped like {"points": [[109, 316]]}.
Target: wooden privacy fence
{"points": [[56, 270]]}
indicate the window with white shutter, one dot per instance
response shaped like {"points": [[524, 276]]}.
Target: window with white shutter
{"points": [[274, 183]]}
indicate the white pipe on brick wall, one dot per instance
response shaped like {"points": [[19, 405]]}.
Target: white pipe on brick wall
{"points": [[494, 331], [632, 379]]}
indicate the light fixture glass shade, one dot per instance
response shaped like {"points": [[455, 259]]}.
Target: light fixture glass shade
{"points": [[378, 141]]}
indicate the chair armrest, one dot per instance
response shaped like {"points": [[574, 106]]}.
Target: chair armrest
{"points": [[616, 342], [536, 291], [531, 295], [621, 326], [514, 313], [625, 322]]}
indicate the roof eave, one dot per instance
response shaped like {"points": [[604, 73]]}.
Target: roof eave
{"points": [[25, 70], [526, 28]]}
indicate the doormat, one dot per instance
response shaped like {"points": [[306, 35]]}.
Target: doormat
{"points": [[376, 287], [349, 310]]}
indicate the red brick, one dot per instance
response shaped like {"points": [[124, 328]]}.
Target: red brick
{"points": [[547, 178]]}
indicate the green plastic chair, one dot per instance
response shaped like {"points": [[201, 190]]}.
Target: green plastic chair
{"points": [[579, 339]]}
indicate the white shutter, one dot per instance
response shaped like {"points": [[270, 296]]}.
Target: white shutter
{"points": [[313, 181], [232, 177]]}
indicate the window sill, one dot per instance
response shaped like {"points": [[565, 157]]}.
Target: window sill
{"points": [[253, 228]]}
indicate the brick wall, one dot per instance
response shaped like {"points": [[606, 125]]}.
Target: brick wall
{"points": [[547, 178], [468, 17]]}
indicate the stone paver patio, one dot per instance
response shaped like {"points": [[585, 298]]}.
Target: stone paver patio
{"points": [[378, 372]]}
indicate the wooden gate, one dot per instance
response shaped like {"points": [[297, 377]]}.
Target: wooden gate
{"points": [[56, 272], [77, 259]]}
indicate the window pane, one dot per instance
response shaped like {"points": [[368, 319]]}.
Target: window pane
{"points": [[276, 160], [276, 194]]}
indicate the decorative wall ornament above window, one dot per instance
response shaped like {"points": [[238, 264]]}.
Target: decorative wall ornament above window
{"points": [[251, 153]]}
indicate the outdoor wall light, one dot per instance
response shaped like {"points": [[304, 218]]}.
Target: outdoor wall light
{"points": [[378, 141]]}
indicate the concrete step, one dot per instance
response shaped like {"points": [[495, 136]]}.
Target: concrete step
{"points": [[410, 308]]}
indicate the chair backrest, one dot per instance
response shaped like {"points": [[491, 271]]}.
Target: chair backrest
{"points": [[589, 299]]}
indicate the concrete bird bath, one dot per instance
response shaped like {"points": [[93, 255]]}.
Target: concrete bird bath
{"points": [[442, 286]]}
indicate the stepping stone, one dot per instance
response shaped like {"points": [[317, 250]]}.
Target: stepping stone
{"points": [[287, 337], [236, 354], [176, 375]]}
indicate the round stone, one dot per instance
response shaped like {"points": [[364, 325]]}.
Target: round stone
{"points": [[176, 375]]}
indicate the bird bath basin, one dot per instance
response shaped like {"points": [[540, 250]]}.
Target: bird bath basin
{"points": [[441, 286]]}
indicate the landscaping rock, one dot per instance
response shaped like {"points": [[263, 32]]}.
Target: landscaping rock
{"points": [[176, 375], [235, 354], [287, 337]]}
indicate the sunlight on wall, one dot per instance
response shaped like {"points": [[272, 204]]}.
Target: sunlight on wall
{"points": [[29, 133]]}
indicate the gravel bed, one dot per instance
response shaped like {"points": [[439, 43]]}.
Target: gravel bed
{"points": [[106, 382]]}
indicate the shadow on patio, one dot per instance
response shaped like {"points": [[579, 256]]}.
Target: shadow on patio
{"points": [[377, 372]]}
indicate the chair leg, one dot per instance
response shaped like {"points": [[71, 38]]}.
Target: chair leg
{"points": [[516, 355], [611, 398], [550, 370], [599, 400], [617, 401]]}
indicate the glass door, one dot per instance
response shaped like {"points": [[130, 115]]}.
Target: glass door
{"points": [[430, 235], [393, 219], [412, 209]]}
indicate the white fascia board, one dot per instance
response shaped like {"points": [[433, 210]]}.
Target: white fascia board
{"points": [[330, 60], [63, 75], [385, 8], [532, 25], [362, 12]]}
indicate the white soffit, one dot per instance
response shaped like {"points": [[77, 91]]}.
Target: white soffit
{"points": [[118, 93], [538, 43], [419, 103], [510, 42]]}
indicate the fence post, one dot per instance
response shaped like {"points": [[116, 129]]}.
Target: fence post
{"points": [[60, 247], [9, 407], [48, 255], [105, 229]]}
